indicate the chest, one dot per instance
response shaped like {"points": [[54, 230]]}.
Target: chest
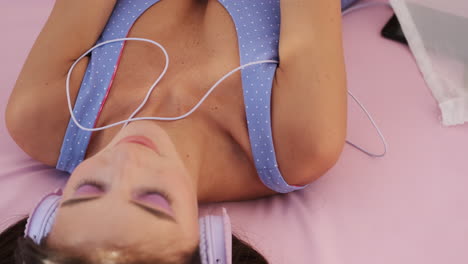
{"points": [[202, 48], [203, 42]]}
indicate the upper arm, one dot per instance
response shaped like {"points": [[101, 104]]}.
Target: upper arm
{"points": [[37, 112], [72, 28], [37, 121], [309, 97]]}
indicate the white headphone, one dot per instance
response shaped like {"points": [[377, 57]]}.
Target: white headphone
{"points": [[215, 229]]}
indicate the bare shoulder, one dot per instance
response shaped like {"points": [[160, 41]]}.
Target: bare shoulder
{"points": [[309, 98], [37, 114], [37, 117]]}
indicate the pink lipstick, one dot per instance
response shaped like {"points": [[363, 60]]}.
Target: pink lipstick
{"points": [[141, 140]]}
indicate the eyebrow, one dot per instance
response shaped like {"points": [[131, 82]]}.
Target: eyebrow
{"points": [[148, 209]]}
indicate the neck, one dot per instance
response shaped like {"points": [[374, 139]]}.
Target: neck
{"points": [[190, 149]]}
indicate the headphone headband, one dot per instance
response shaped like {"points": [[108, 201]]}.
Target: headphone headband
{"points": [[215, 229]]}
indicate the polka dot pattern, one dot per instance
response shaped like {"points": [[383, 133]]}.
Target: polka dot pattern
{"points": [[257, 24], [96, 82], [258, 28]]}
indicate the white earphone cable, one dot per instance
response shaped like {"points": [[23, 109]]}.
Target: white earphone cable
{"points": [[346, 12], [131, 118]]}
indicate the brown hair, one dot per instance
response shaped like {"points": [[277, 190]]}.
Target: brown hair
{"points": [[16, 249]]}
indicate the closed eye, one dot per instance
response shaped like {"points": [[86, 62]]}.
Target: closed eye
{"points": [[89, 187], [155, 199], [160, 214], [88, 190], [149, 200]]}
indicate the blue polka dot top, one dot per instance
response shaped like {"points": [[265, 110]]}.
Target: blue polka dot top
{"points": [[257, 24]]}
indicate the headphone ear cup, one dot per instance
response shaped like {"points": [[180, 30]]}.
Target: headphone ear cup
{"points": [[227, 235], [42, 218], [215, 238], [203, 244], [50, 221]]}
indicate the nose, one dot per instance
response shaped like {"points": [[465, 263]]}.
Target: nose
{"points": [[127, 152], [125, 158]]}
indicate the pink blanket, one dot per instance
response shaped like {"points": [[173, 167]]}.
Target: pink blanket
{"points": [[408, 207]]}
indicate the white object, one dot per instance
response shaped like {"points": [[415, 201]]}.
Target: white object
{"points": [[150, 90], [437, 33]]}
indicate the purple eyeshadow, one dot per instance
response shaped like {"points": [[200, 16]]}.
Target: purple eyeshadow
{"points": [[156, 200], [88, 189]]}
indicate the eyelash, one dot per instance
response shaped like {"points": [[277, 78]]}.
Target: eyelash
{"points": [[142, 192], [91, 182], [150, 191]]}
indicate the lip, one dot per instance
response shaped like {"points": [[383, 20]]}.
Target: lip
{"points": [[140, 140]]}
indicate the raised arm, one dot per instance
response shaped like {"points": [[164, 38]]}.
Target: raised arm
{"points": [[37, 113], [309, 96], [72, 28]]}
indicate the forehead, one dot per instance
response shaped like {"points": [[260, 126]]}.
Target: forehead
{"points": [[116, 226]]}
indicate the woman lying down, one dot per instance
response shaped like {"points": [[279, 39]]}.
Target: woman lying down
{"points": [[244, 107]]}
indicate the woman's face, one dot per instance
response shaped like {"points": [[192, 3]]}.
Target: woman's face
{"points": [[134, 194]]}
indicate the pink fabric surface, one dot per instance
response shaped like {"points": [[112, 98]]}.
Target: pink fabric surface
{"points": [[408, 207]]}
